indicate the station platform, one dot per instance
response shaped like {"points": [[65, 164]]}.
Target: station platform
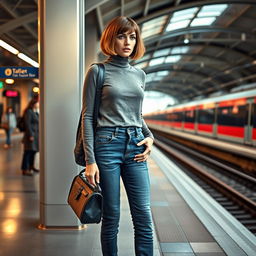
{"points": [[178, 230]]}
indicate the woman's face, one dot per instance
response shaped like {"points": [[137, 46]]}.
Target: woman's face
{"points": [[125, 43]]}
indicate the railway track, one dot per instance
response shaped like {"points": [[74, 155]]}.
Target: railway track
{"points": [[230, 187]]}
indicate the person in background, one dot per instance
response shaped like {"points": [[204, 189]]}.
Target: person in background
{"points": [[10, 122], [30, 138]]}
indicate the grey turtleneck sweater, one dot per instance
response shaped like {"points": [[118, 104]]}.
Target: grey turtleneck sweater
{"points": [[121, 100]]}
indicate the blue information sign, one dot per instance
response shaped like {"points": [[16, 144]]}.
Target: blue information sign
{"points": [[18, 72]]}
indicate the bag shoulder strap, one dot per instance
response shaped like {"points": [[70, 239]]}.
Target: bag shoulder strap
{"points": [[99, 86]]}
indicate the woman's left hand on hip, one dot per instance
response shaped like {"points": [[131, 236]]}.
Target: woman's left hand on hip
{"points": [[144, 156]]}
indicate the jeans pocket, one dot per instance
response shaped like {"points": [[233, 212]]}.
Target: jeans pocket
{"points": [[140, 136], [138, 139], [103, 137]]}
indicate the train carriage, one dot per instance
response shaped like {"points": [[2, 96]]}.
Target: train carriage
{"points": [[189, 119], [206, 119], [232, 120], [253, 122], [230, 117]]}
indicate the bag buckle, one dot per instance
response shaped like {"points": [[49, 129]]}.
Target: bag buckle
{"points": [[80, 192]]}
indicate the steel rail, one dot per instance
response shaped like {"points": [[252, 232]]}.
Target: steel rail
{"points": [[219, 185]]}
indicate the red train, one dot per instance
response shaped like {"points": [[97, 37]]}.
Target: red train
{"points": [[231, 117]]}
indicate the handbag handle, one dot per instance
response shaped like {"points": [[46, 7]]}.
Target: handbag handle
{"points": [[95, 189]]}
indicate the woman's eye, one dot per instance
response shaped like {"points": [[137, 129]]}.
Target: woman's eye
{"points": [[120, 37], [133, 38]]}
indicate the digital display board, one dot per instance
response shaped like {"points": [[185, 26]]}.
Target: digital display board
{"points": [[10, 93]]}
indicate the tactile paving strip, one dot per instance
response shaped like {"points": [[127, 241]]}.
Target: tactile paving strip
{"points": [[179, 230]]}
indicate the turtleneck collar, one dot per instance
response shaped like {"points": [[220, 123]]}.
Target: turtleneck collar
{"points": [[118, 61]]}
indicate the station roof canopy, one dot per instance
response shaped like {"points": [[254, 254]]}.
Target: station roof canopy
{"points": [[195, 49]]}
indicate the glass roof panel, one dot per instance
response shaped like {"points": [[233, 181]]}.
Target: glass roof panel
{"points": [[153, 26], [149, 79], [177, 25], [214, 7], [162, 73], [152, 32], [153, 21], [151, 74], [202, 21], [208, 14], [142, 64], [157, 78], [172, 59], [185, 12], [212, 10], [178, 50], [156, 61], [161, 52], [182, 17], [146, 56]]}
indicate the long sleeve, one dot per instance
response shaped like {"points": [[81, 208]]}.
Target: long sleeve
{"points": [[28, 122], [145, 130], [89, 92]]}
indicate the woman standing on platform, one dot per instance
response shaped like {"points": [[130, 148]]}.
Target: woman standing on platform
{"points": [[122, 141], [31, 137], [10, 122]]}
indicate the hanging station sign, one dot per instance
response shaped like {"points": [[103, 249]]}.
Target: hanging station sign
{"points": [[18, 72]]}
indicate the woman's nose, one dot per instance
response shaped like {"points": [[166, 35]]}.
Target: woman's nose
{"points": [[127, 41]]}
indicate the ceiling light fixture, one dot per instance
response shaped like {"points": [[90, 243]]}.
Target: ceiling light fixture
{"points": [[186, 41], [8, 47], [28, 60], [36, 89], [19, 54], [9, 81]]}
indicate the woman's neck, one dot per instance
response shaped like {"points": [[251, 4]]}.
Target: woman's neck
{"points": [[119, 61]]}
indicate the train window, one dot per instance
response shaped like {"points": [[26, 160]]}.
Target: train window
{"points": [[206, 116], [158, 117], [254, 115], [163, 117], [175, 117], [189, 116], [233, 115]]}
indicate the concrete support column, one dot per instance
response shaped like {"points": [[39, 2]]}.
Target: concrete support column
{"points": [[91, 40], [61, 38]]}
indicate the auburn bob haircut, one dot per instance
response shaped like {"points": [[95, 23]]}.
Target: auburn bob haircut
{"points": [[120, 25]]}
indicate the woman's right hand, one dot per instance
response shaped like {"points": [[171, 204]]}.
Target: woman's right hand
{"points": [[92, 173]]}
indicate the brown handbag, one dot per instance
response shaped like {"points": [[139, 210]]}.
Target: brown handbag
{"points": [[4, 126], [85, 200]]}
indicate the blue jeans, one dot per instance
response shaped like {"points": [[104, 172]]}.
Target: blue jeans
{"points": [[8, 135], [28, 160], [115, 148]]}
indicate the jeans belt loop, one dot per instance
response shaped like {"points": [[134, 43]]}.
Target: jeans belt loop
{"points": [[116, 132], [137, 131]]}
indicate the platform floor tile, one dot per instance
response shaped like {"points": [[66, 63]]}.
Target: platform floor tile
{"points": [[206, 247], [176, 247], [179, 254]]}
